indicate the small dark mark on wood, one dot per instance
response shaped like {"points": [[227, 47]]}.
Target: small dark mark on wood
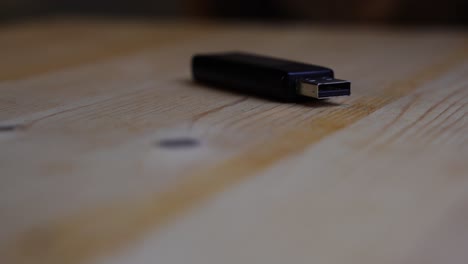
{"points": [[9, 128], [178, 143]]}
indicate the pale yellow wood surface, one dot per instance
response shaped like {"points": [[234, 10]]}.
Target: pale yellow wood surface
{"points": [[378, 177]]}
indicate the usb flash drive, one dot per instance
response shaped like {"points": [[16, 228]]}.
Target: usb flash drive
{"points": [[264, 76]]}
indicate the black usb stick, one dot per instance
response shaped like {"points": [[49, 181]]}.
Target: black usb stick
{"points": [[265, 76]]}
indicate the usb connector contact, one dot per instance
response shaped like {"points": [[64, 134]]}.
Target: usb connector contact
{"points": [[269, 77], [324, 87]]}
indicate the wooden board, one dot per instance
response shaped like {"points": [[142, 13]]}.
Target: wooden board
{"points": [[378, 177]]}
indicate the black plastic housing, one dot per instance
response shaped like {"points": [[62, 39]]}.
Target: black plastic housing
{"points": [[255, 74]]}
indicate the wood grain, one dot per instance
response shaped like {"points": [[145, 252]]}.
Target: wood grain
{"points": [[84, 180]]}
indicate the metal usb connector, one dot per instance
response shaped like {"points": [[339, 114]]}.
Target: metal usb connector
{"points": [[324, 87]]}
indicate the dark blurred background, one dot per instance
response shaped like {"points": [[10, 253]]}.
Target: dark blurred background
{"points": [[330, 11]]}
